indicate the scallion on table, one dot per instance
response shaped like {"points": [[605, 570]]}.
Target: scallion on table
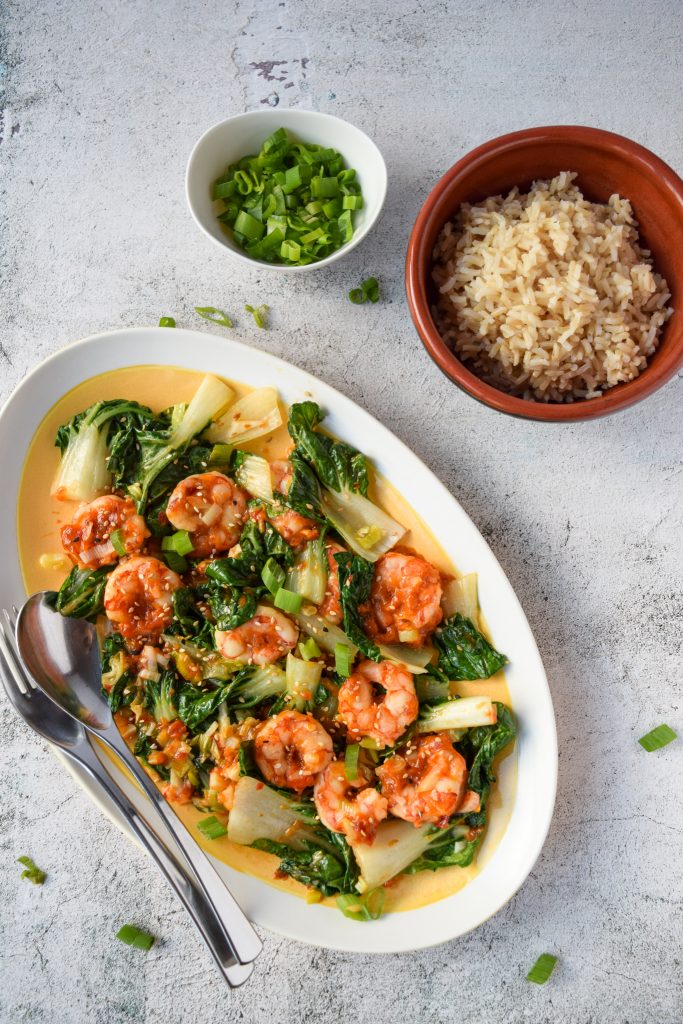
{"points": [[657, 738], [542, 969], [32, 872], [166, 321], [368, 292], [216, 316], [259, 315], [133, 936], [292, 203]]}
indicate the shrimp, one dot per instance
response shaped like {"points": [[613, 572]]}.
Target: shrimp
{"points": [[426, 781], [405, 600], [331, 608], [281, 473], [138, 599], [295, 528], [291, 749], [211, 508], [378, 701], [352, 808], [87, 538], [260, 641]]}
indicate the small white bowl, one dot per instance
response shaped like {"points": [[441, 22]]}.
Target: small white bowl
{"points": [[230, 140]]}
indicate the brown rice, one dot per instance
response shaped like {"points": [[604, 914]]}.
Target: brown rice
{"points": [[547, 295]]}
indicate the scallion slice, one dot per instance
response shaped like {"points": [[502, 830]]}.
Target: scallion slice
{"points": [[176, 562], [166, 321], [362, 908], [118, 541], [33, 873], [133, 936], [180, 542], [220, 456], [351, 761], [216, 316], [288, 601], [309, 649], [343, 660], [273, 576], [368, 291], [259, 315], [657, 738], [542, 969], [292, 203], [212, 828]]}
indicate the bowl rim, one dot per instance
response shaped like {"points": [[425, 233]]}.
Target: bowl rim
{"points": [[294, 113], [615, 399]]}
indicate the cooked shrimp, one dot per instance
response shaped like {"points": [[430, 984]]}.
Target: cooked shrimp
{"points": [[260, 641], [87, 537], [378, 701], [426, 781], [138, 599], [352, 808], [405, 600], [331, 608], [281, 474], [291, 749], [294, 528], [211, 508]]}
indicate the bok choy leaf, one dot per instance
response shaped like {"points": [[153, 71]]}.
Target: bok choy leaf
{"points": [[464, 653], [355, 581]]}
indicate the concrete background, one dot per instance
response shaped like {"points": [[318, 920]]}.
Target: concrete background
{"points": [[101, 105]]}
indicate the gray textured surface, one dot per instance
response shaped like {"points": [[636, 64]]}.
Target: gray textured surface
{"points": [[102, 103]]}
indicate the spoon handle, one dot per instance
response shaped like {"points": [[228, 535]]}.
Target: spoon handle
{"points": [[237, 929], [193, 899]]}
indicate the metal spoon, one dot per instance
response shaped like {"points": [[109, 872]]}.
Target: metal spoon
{"points": [[69, 736], [62, 655]]}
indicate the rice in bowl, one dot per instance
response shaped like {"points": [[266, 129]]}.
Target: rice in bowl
{"points": [[546, 295]]}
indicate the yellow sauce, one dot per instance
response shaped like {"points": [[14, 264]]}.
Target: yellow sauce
{"points": [[41, 517]]}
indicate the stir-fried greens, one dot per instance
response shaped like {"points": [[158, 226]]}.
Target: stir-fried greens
{"points": [[269, 651]]}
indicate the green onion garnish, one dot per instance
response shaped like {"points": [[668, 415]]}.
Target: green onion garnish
{"points": [[118, 542], [133, 936], [542, 969], [179, 542], [176, 562], [368, 291], [292, 203], [212, 828], [32, 872], [351, 761], [273, 576], [657, 738], [309, 649], [220, 456], [259, 314], [216, 316], [343, 660], [167, 321], [362, 908], [288, 601]]}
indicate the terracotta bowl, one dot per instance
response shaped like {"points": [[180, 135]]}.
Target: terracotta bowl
{"points": [[605, 163]]}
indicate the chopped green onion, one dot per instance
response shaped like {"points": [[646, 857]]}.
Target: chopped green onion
{"points": [[220, 456], [343, 660], [542, 969], [273, 576], [119, 543], [32, 872], [351, 761], [166, 321], [288, 601], [176, 562], [133, 936], [309, 649], [362, 908], [657, 738], [212, 828], [292, 203], [179, 542], [258, 313], [216, 316], [368, 291]]}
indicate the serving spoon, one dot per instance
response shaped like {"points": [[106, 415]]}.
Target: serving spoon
{"points": [[66, 734], [62, 655]]}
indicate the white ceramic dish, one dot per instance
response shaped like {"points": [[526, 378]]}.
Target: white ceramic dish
{"points": [[238, 136], [505, 865]]}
